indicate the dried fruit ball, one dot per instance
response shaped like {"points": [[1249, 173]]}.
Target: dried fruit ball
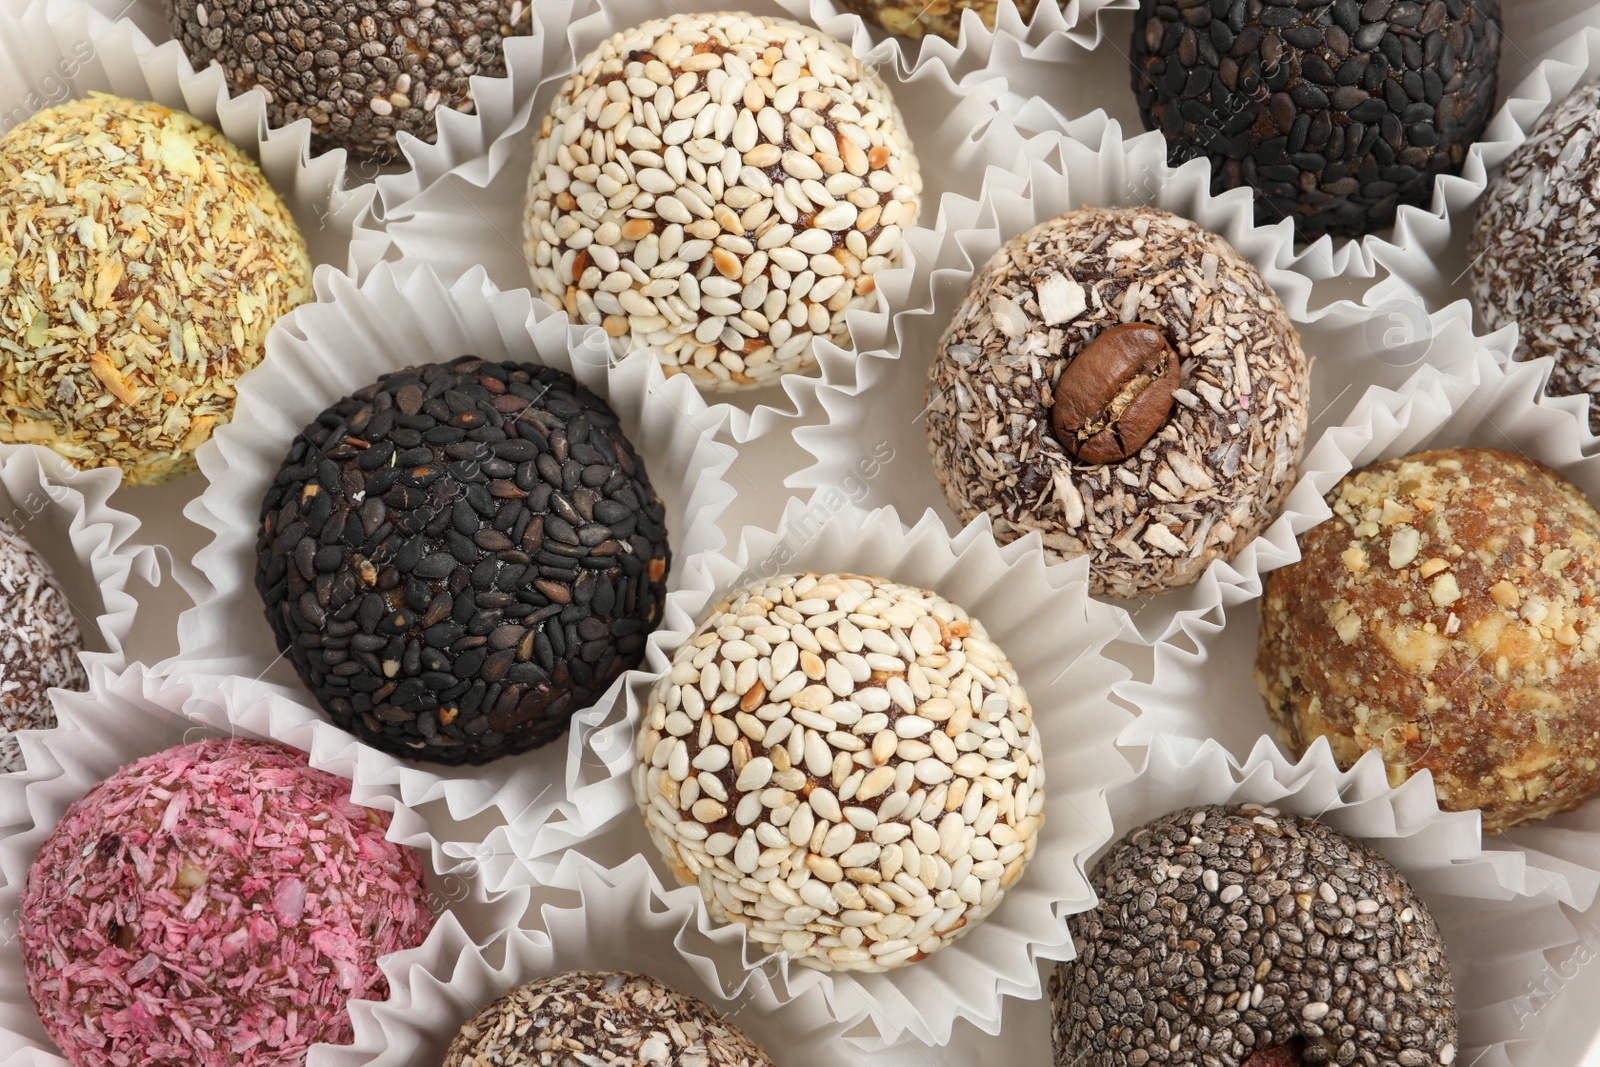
{"points": [[143, 258], [39, 644], [822, 728], [360, 70], [1533, 262], [1334, 113], [217, 903], [1259, 939], [1127, 385], [461, 556], [938, 18], [721, 189], [1447, 616], [600, 1018]]}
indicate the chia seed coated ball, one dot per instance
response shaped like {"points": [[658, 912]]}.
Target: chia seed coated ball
{"points": [[1188, 487], [216, 904], [1448, 617], [39, 644], [721, 189], [1533, 258], [362, 71], [940, 18], [600, 1018], [1258, 939], [461, 556], [824, 727], [143, 258], [1334, 113]]}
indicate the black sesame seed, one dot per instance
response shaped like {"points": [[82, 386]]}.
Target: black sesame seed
{"points": [[435, 606]]}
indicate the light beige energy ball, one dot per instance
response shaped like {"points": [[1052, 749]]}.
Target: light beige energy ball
{"points": [[845, 765], [720, 189]]}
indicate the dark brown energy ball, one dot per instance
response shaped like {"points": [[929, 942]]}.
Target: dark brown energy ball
{"points": [[1448, 617], [938, 18], [460, 556], [1335, 113], [1533, 247], [1249, 937], [600, 1018], [360, 70]]}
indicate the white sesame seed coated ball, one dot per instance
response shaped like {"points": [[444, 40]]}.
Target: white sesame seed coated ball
{"points": [[845, 765], [720, 188]]}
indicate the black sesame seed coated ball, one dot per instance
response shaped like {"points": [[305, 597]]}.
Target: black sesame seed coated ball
{"points": [[460, 556], [360, 70], [1334, 112], [1249, 937]]}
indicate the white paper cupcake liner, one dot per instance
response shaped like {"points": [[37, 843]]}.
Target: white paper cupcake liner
{"points": [[67, 516], [1511, 955], [127, 716], [52, 51], [462, 204], [1080, 82], [1353, 347], [1062, 645], [608, 919], [328, 349], [1203, 687]]}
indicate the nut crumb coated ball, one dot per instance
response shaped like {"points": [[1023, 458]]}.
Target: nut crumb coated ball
{"points": [[143, 258], [360, 70], [857, 737], [720, 189], [214, 904], [1446, 617], [461, 556], [1126, 384], [39, 644], [596, 1018], [1258, 939], [938, 18], [1533, 247], [1335, 113]]}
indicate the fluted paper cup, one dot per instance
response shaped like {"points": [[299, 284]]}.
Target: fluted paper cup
{"points": [[1353, 347], [1203, 690], [463, 204], [1513, 956], [1062, 645], [133, 714], [328, 349]]}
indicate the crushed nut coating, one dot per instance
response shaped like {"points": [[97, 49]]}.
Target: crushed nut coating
{"points": [[143, 258], [721, 189], [614, 1019], [1445, 616], [845, 765], [1216, 471], [1248, 937]]}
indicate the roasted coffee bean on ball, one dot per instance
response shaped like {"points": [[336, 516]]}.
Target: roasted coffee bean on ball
{"points": [[1335, 113], [460, 556], [360, 70]]}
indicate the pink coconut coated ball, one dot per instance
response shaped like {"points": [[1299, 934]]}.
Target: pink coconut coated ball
{"points": [[215, 904]]}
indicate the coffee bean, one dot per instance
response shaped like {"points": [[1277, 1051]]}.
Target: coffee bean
{"points": [[1115, 393]]}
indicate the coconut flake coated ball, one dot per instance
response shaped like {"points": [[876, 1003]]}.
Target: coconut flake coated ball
{"points": [[586, 1017], [721, 189], [216, 904], [143, 258], [862, 740], [39, 644]]}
